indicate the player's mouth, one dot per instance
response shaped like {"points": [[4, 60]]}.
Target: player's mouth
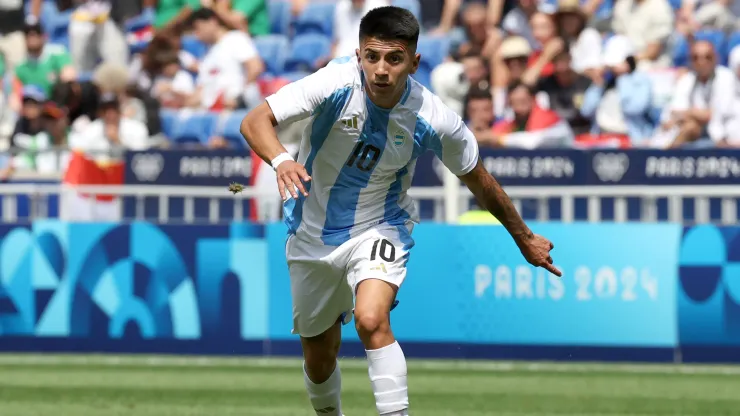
{"points": [[382, 85]]}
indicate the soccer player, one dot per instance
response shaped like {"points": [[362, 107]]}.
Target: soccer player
{"points": [[346, 206]]}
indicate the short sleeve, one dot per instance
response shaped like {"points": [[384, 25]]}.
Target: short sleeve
{"points": [[453, 143], [299, 99], [242, 46]]}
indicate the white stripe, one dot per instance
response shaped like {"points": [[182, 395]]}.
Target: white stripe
{"points": [[350, 363]]}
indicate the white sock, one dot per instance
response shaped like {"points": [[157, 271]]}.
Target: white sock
{"points": [[325, 397], [387, 369]]}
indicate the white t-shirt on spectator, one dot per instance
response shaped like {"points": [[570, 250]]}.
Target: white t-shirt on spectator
{"points": [[221, 71], [715, 95], [132, 134], [181, 83], [347, 25], [586, 51]]}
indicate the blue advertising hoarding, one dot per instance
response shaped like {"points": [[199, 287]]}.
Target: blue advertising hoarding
{"points": [[141, 287], [565, 167], [709, 295], [486, 292]]}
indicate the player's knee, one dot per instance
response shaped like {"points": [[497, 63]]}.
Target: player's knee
{"points": [[369, 323]]}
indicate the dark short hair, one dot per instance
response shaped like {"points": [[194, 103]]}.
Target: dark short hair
{"points": [[390, 23], [477, 93], [516, 84], [203, 14], [33, 28]]}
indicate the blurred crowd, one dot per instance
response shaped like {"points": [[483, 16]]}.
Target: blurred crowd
{"points": [[135, 74]]}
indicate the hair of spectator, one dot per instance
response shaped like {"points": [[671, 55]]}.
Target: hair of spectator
{"points": [[391, 23], [205, 13], [516, 84]]}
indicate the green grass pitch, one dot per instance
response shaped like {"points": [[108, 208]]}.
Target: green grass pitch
{"points": [[76, 385]]}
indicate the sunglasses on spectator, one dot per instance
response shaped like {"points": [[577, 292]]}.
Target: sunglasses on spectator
{"points": [[696, 57]]}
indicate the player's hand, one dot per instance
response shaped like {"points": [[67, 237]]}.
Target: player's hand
{"points": [[291, 175], [536, 249]]}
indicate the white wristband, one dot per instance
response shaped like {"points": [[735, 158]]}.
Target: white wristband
{"points": [[282, 157]]}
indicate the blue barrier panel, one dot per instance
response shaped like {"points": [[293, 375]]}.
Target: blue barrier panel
{"points": [[511, 167], [225, 289], [471, 285]]}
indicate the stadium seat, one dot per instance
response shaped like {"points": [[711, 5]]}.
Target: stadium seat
{"points": [[433, 50], [58, 28], [732, 41], [193, 127], [280, 17], [228, 126], [195, 47], [295, 75], [681, 49], [305, 50], [316, 18], [168, 120], [410, 5], [273, 50]]}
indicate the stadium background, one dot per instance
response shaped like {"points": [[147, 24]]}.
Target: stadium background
{"points": [[163, 260]]}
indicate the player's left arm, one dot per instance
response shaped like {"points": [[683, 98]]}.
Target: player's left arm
{"points": [[457, 147]]}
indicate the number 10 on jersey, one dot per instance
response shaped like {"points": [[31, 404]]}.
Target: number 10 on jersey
{"points": [[364, 156]]}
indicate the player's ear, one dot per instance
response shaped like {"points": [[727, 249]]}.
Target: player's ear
{"points": [[415, 63], [357, 53]]}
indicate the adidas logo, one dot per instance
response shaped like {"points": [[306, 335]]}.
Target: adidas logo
{"points": [[350, 122], [326, 409]]}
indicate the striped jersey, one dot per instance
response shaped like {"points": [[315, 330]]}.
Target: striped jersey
{"points": [[361, 157]]}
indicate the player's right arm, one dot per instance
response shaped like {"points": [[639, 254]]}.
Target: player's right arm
{"points": [[457, 147], [293, 102]]}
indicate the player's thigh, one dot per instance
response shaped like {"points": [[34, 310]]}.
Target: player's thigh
{"points": [[381, 254], [321, 297]]}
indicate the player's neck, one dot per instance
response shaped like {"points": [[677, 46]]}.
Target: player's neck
{"points": [[383, 102]]}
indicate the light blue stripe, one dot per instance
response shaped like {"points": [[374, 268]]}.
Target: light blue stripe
{"points": [[425, 138], [325, 116], [340, 60], [394, 214], [344, 195]]}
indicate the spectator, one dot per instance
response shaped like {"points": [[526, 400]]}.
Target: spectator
{"points": [[474, 24], [452, 80], [701, 109], [95, 33], [517, 20], [228, 73], [12, 48], [708, 14], [248, 15], [172, 85], [478, 115], [46, 64], [30, 142], [146, 66], [647, 24], [530, 126], [733, 138], [511, 64], [583, 42], [548, 44], [77, 102], [347, 16], [563, 92], [621, 104], [111, 130]]}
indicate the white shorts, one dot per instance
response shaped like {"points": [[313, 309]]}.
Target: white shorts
{"points": [[324, 279]]}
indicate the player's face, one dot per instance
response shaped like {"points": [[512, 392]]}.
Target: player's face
{"points": [[387, 65]]}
